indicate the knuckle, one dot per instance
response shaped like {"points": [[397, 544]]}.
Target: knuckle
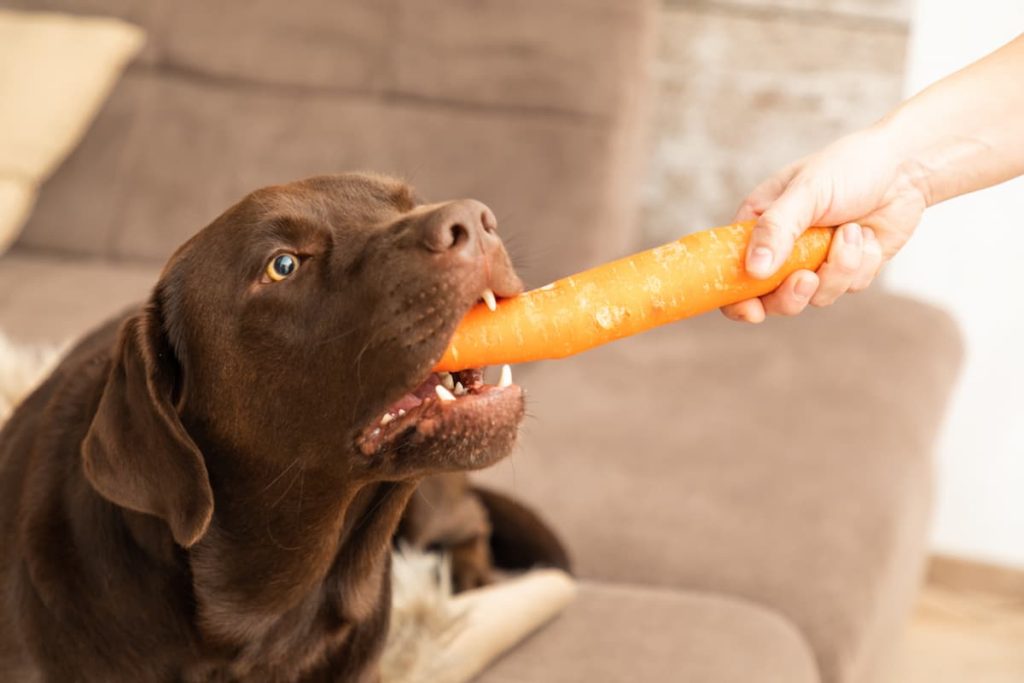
{"points": [[830, 279], [748, 209], [772, 230], [784, 305], [848, 266], [874, 255], [823, 300], [846, 259], [857, 287], [862, 280], [770, 224]]}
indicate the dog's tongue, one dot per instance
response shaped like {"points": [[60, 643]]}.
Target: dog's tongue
{"points": [[407, 402], [416, 397], [472, 378], [426, 390]]}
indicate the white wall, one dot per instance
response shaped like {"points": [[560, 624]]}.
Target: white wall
{"points": [[968, 257]]}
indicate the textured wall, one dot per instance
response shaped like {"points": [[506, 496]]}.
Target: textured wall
{"points": [[745, 86], [980, 511]]}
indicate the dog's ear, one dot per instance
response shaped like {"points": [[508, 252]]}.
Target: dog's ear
{"points": [[137, 453]]}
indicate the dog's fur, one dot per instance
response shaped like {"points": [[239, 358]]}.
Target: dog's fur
{"points": [[198, 492]]}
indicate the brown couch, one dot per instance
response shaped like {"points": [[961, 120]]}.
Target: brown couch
{"points": [[742, 503]]}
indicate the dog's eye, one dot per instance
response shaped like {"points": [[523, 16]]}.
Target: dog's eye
{"points": [[282, 266]]}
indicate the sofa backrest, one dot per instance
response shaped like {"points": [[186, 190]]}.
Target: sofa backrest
{"points": [[533, 106]]}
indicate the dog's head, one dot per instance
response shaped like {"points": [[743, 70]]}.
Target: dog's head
{"points": [[304, 322]]}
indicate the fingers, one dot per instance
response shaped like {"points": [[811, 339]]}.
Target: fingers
{"points": [[748, 311], [778, 227], [854, 259], [791, 298], [845, 256], [793, 295], [871, 262]]}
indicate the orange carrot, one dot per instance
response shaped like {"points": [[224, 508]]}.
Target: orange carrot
{"points": [[693, 275]]}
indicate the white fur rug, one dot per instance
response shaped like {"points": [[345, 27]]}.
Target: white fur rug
{"points": [[21, 368], [435, 637]]}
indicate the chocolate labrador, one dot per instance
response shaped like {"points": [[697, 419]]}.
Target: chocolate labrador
{"points": [[208, 488]]}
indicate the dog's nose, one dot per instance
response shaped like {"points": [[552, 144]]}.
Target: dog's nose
{"points": [[459, 227]]}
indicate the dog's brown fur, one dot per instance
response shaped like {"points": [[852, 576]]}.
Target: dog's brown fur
{"points": [[190, 497]]}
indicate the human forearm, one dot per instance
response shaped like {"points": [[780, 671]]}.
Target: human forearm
{"points": [[965, 132]]}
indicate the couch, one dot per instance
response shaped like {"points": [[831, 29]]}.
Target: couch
{"points": [[742, 503]]}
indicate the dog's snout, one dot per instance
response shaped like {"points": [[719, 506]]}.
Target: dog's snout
{"points": [[458, 227]]}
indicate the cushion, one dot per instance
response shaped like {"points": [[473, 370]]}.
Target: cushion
{"points": [[16, 197], [533, 107], [45, 299], [613, 633], [55, 71], [168, 154], [788, 464], [579, 57]]}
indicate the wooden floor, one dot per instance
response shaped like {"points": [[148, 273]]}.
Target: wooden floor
{"points": [[959, 636]]}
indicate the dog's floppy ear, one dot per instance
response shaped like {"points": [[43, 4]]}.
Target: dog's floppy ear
{"points": [[137, 453]]}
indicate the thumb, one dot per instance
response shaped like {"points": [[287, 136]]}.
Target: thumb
{"points": [[777, 229]]}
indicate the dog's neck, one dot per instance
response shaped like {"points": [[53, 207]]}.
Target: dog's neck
{"points": [[293, 549]]}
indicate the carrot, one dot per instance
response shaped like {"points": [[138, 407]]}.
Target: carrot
{"points": [[693, 275]]}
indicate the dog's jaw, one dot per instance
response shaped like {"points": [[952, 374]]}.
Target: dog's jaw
{"points": [[450, 421]]}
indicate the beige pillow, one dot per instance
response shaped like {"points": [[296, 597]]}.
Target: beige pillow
{"points": [[55, 72]]}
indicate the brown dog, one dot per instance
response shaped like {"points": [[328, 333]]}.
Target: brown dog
{"points": [[207, 489]]}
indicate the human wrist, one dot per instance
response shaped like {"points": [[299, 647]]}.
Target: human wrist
{"points": [[913, 166]]}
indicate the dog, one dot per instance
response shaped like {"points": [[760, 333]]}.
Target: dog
{"points": [[208, 488]]}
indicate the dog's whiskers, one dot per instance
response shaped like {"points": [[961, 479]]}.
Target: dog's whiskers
{"points": [[283, 472]]}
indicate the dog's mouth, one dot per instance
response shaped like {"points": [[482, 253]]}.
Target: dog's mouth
{"points": [[457, 410], [447, 421]]}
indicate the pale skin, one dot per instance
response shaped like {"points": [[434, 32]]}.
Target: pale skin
{"points": [[961, 134]]}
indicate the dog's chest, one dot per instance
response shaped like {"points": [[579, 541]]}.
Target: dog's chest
{"points": [[316, 638]]}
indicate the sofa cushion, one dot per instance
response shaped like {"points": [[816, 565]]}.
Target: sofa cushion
{"points": [[169, 154], [575, 56], [55, 71], [531, 106], [45, 299], [614, 633], [788, 464]]}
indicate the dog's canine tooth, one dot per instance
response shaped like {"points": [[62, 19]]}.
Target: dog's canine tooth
{"points": [[447, 380], [506, 376], [459, 389], [488, 297], [388, 417], [443, 393]]}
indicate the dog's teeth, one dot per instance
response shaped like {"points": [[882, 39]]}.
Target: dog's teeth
{"points": [[506, 376], [488, 297], [401, 412], [443, 393], [388, 417], [447, 380], [459, 389]]}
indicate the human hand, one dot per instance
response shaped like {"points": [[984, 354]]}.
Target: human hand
{"points": [[862, 183]]}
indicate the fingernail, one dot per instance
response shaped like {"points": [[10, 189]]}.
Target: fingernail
{"points": [[804, 287], [759, 262], [852, 234]]}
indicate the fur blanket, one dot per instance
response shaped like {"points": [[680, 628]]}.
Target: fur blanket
{"points": [[435, 637]]}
